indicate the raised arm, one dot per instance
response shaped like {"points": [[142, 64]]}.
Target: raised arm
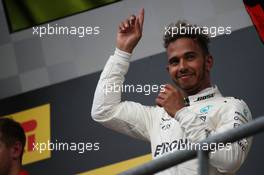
{"points": [[126, 117]]}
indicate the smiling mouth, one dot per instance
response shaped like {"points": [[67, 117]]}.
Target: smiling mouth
{"points": [[184, 76]]}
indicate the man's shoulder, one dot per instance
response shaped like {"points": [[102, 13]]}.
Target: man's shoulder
{"points": [[237, 106], [233, 101]]}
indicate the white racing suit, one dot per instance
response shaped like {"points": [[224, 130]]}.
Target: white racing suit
{"points": [[208, 113]]}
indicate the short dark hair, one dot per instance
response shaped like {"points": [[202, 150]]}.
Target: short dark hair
{"points": [[202, 39], [11, 132]]}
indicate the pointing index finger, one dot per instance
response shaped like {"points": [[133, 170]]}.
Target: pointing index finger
{"points": [[141, 18]]}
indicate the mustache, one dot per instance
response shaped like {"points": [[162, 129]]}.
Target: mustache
{"points": [[184, 74]]}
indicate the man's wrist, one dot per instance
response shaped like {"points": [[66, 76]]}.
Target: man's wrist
{"points": [[122, 53], [125, 48]]}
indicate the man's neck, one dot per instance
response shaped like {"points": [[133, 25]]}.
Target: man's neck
{"points": [[199, 89], [16, 168]]}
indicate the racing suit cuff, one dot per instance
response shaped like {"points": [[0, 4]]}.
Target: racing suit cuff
{"points": [[183, 113], [122, 54]]}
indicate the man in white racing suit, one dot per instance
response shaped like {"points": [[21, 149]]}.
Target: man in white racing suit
{"points": [[173, 124]]}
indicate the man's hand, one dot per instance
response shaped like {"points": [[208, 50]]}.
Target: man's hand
{"points": [[130, 32], [170, 99]]}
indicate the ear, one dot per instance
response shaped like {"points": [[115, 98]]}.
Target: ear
{"points": [[16, 150], [209, 62]]}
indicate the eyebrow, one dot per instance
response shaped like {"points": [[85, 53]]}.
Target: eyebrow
{"points": [[185, 54]]}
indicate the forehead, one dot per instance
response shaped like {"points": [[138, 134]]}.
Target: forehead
{"points": [[182, 46]]}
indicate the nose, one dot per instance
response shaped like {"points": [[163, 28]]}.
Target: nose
{"points": [[183, 66]]}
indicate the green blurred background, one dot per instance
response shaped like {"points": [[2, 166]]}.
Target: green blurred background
{"points": [[23, 14]]}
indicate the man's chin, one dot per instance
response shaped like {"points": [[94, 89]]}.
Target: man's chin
{"points": [[186, 87], [189, 89]]}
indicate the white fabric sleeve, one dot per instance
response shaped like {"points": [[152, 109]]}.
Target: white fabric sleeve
{"points": [[125, 117], [231, 115]]}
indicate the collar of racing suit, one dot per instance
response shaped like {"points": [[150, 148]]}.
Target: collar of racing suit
{"points": [[206, 94]]}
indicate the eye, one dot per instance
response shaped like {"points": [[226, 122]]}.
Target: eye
{"points": [[190, 56], [173, 61]]}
